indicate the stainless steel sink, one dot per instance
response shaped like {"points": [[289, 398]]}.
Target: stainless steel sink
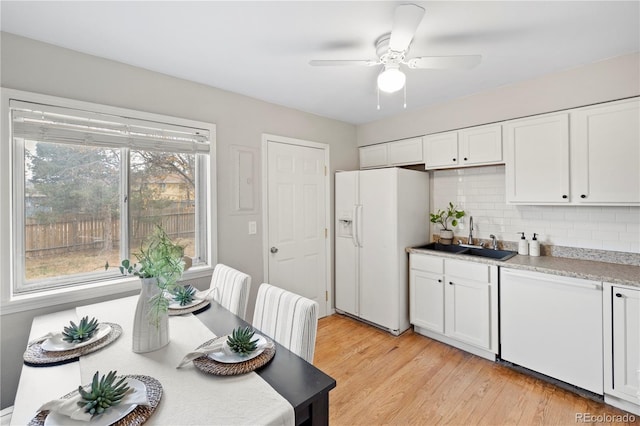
{"points": [[481, 252]]}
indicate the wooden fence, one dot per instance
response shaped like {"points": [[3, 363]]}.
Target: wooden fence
{"points": [[89, 233]]}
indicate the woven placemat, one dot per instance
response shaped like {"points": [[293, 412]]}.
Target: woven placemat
{"points": [[35, 356], [138, 416], [197, 308], [212, 366]]}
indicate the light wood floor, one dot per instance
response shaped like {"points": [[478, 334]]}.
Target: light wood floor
{"points": [[411, 379]]}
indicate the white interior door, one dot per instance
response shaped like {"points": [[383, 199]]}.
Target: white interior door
{"points": [[297, 219]]}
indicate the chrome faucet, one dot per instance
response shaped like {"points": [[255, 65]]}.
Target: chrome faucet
{"points": [[470, 240], [494, 242]]}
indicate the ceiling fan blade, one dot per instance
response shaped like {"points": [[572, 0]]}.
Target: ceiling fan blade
{"points": [[332, 63], [405, 23], [444, 62]]}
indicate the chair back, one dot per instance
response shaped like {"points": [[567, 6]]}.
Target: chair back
{"points": [[288, 318], [231, 289]]}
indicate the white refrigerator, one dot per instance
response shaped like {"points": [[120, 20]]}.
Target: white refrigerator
{"points": [[378, 214]]}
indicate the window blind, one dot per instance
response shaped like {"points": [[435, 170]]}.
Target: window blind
{"points": [[48, 123]]}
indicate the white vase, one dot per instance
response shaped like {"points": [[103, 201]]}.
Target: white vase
{"points": [[150, 333], [446, 236]]}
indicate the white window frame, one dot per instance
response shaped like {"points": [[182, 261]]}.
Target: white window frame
{"points": [[11, 302]]}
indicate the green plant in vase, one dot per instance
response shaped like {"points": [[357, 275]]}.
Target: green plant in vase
{"points": [[162, 260], [442, 218]]}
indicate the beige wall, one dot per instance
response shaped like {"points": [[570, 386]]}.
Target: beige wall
{"points": [[607, 80], [37, 67]]}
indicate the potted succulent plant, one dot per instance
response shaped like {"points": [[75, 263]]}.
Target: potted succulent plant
{"points": [[159, 265], [442, 218]]}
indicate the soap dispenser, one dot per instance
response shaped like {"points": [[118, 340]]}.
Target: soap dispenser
{"points": [[534, 246], [523, 245]]}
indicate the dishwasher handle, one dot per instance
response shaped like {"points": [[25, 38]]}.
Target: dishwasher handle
{"points": [[555, 281]]}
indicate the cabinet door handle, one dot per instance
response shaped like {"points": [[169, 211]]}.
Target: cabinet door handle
{"points": [[583, 196], [450, 282], [618, 295], [465, 158], [454, 159], [439, 281], [564, 196]]}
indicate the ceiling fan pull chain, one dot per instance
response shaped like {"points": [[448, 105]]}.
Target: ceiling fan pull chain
{"points": [[405, 96], [378, 92]]}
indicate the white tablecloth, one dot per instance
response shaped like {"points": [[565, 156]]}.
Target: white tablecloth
{"points": [[190, 396]]}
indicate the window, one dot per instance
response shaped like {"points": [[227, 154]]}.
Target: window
{"points": [[90, 183]]}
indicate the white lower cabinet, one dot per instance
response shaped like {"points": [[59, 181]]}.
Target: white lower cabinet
{"points": [[427, 300], [621, 307], [455, 301]]}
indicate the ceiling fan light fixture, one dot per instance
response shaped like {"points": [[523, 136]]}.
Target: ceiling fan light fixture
{"points": [[391, 79]]}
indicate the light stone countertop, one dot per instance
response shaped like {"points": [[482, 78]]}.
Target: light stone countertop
{"points": [[587, 269]]}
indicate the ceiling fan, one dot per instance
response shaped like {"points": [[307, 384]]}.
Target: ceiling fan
{"points": [[392, 50]]}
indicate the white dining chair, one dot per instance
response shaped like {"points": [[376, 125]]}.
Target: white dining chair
{"points": [[288, 318], [230, 288], [5, 416]]}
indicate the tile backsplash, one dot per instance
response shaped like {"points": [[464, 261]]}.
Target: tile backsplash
{"points": [[480, 192]]}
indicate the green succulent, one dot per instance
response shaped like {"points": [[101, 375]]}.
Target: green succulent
{"points": [[240, 341], [184, 294], [103, 394], [81, 332]]}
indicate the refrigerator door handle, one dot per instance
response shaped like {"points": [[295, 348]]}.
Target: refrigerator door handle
{"points": [[354, 227], [357, 227]]}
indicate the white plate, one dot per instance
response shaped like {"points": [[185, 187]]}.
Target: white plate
{"points": [[230, 357], [110, 416], [176, 305], [56, 344]]}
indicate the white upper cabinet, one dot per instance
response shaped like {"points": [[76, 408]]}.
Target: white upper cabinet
{"points": [[474, 146], [408, 151], [537, 159], [373, 156], [398, 153], [480, 145], [605, 159], [585, 156], [441, 150]]}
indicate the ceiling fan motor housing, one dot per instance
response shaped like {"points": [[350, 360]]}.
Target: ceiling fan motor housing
{"points": [[386, 55]]}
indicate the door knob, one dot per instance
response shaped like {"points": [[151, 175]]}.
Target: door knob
{"points": [[274, 249]]}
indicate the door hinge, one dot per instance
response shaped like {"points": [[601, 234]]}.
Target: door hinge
{"points": [[326, 233], [326, 296], [325, 170]]}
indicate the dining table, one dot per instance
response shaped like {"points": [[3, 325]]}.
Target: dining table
{"points": [[286, 390]]}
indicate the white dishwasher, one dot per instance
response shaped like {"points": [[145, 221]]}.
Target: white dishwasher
{"points": [[553, 325]]}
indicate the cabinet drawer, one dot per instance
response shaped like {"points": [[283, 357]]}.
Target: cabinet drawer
{"points": [[427, 263], [469, 270]]}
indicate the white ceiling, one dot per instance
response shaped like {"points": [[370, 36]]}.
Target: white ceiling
{"points": [[262, 49]]}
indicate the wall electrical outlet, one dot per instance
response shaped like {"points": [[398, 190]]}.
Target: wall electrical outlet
{"points": [[253, 228]]}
